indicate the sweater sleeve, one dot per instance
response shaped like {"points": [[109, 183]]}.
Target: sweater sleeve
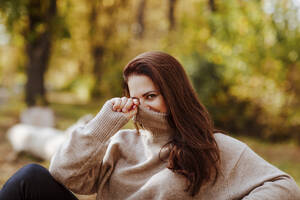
{"points": [[77, 163], [264, 181]]}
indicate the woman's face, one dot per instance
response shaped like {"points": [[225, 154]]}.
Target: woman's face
{"points": [[142, 88]]}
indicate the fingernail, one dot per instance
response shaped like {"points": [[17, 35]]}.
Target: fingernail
{"points": [[135, 101], [123, 110], [119, 110], [134, 106]]}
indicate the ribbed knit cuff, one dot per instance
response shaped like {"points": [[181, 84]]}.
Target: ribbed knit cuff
{"points": [[106, 123]]}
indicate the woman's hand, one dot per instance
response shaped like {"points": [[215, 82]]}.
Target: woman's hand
{"points": [[125, 105]]}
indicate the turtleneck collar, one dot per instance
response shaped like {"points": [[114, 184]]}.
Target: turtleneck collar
{"points": [[153, 122]]}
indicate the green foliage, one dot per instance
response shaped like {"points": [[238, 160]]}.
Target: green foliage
{"points": [[13, 10], [243, 58], [15, 13], [238, 61]]}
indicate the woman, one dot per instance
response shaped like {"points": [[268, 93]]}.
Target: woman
{"points": [[174, 152]]}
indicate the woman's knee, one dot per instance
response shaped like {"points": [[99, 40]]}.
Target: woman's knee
{"points": [[33, 168], [29, 176], [33, 172]]}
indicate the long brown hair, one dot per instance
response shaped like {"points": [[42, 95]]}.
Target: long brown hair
{"points": [[193, 150]]}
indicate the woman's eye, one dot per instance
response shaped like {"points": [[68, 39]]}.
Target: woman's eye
{"points": [[151, 96]]}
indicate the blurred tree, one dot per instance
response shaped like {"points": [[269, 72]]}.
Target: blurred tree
{"points": [[140, 19], [37, 32], [103, 22], [242, 56], [212, 5], [171, 14], [38, 36], [243, 64], [97, 47]]}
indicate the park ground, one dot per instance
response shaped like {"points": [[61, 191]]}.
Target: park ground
{"points": [[286, 155]]}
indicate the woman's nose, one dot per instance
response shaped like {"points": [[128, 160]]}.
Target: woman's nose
{"points": [[141, 101]]}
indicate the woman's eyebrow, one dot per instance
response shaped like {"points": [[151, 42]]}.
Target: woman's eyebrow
{"points": [[145, 94]]}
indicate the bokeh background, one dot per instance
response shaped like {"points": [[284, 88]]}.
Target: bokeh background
{"points": [[242, 57]]}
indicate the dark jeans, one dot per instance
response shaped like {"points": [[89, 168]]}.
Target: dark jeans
{"points": [[34, 182]]}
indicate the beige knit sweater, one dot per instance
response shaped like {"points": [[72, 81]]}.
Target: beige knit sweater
{"points": [[122, 164]]}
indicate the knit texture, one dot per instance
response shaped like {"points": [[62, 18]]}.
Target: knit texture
{"points": [[124, 164]]}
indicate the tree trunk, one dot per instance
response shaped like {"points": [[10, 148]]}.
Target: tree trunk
{"points": [[96, 47], [38, 47], [212, 5], [99, 45], [171, 14], [38, 52], [98, 53], [140, 24]]}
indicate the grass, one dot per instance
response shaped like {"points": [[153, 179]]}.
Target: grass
{"points": [[286, 156]]}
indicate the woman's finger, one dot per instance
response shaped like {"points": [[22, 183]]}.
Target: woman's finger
{"points": [[116, 103], [122, 104], [132, 112], [136, 101], [128, 105]]}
